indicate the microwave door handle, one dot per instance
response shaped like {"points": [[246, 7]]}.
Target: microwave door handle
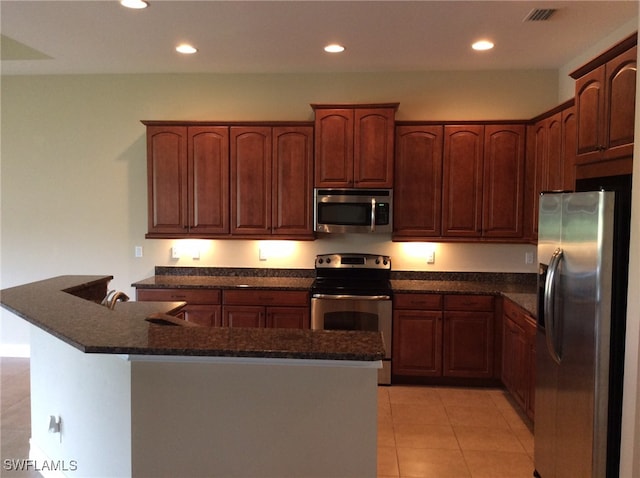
{"points": [[373, 214]]}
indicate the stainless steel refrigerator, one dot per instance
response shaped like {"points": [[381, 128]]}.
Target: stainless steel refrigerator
{"points": [[582, 245]]}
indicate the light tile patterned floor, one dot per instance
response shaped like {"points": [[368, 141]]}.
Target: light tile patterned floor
{"points": [[441, 432], [450, 432]]}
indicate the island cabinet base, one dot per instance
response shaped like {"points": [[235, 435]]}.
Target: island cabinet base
{"points": [[168, 416]]}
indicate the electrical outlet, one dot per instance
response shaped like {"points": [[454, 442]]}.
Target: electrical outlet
{"points": [[175, 252], [431, 257], [528, 257], [138, 251]]}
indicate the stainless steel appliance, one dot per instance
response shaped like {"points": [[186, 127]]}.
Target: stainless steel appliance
{"points": [[353, 210], [583, 242], [353, 292]]}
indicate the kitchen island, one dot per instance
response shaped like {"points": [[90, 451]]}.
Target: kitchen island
{"points": [[142, 398]]}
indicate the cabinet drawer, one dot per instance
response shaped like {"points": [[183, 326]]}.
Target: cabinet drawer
{"points": [[468, 302], [417, 301], [266, 297], [518, 315], [191, 296]]}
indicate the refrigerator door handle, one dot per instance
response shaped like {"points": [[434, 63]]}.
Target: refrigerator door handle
{"points": [[549, 304]]}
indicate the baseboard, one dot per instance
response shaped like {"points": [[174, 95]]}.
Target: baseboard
{"points": [[15, 350]]}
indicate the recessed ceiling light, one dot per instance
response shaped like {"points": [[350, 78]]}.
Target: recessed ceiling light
{"points": [[137, 4], [482, 45], [334, 48], [186, 49]]}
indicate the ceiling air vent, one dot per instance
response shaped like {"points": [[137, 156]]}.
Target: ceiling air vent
{"points": [[539, 14]]}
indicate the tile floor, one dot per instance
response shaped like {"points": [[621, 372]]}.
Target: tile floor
{"points": [[442, 432]]}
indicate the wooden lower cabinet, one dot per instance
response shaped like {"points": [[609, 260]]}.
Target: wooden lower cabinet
{"points": [[266, 308], [445, 336], [518, 356], [468, 336], [203, 305], [238, 308], [417, 335]]}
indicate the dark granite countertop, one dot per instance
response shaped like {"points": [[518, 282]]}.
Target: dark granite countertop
{"points": [[223, 282], [93, 328], [519, 287]]}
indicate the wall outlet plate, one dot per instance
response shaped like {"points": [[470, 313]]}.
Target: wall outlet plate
{"points": [[431, 257], [175, 252]]}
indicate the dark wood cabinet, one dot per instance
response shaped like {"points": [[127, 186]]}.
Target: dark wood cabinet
{"points": [[266, 308], [550, 158], [354, 145], [605, 108], [188, 176], [237, 308], [417, 335], [503, 181], [167, 179], [518, 355], [468, 336], [203, 305], [450, 336], [462, 181], [245, 181], [483, 181], [208, 167], [292, 181], [250, 180], [418, 182]]}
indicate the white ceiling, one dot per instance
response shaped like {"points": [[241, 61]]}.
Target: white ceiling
{"points": [[68, 37]]}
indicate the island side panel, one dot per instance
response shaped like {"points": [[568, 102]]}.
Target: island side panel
{"points": [[251, 419], [91, 393]]}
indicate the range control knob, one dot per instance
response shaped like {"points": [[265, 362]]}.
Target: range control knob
{"points": [[328, 260]]}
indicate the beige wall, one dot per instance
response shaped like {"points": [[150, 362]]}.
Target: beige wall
{"points": [[74, 163]]}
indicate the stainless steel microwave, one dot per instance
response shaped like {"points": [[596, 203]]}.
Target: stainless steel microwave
{"points": [[353, 210]]}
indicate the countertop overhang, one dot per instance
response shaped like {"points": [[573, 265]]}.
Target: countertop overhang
{"points": [[92, 328]]}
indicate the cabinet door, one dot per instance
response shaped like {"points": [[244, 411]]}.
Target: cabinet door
{"points": [[462, 181], [243, 316], [293, 181], [251, 180], [417, 343], [334, 148], [503, 193], [207, 315], [537, 151], [373, 147], [468, 344], [569, 147], [417, 187], [167, 179], [530, 367], [514, 361], [288, 317], [590, 98], [209, 180], [620, 105]]}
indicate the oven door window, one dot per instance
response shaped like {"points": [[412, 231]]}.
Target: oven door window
{"points": [[345, 214], [350, 320]]}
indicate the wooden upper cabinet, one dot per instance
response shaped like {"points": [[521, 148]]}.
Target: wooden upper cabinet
{"points": [[250, 180], [605, 108], [503, 194], [292, 188], [550, 162], [373, 147], [418, 182], [462, 181], [334, 148], [354, 145], [208, 164], [167, 179], [620, 104]]}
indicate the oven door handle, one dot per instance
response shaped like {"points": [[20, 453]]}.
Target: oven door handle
{"points": [[351, 297]]}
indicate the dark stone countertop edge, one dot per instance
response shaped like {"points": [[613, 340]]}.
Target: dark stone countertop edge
{"points": [[93, 328]]}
